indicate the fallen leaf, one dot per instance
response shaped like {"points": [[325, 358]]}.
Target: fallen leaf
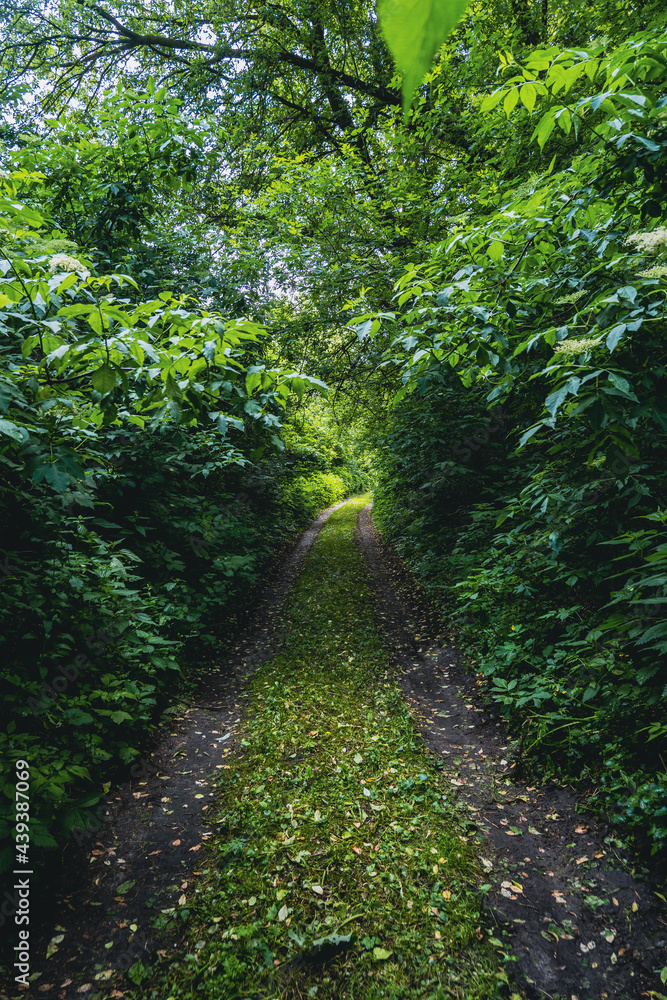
{"points": [[318, 889], [580, 861], [196, 847], [381, 954], [282, 913], [182, 900], [175, 843]]}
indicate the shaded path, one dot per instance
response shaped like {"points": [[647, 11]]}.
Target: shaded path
{"points": [[579, 924]]}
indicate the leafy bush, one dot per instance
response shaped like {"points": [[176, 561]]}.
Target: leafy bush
{"points": [[305, 496], [141, 499]]}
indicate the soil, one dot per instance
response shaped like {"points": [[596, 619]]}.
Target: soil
{"points": [[580, 925], [559, 897]]}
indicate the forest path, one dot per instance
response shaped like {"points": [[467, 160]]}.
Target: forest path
{"points": [[301, 833], [578, 923]]}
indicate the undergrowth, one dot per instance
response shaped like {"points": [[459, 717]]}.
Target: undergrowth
{"points": [[554, 602], [339, 867]]}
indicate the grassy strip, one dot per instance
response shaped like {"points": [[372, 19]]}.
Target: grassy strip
{"points": [[340, 868]]}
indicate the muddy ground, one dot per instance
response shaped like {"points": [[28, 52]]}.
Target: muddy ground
{"points": [[559, 895]]}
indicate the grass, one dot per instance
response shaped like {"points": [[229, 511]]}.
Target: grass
{"points": [[339, 868]]}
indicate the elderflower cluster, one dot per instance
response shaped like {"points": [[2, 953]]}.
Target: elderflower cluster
{"points": [[577, 346], [63, 262], [649, 242], [567, 300], [657, 271]]}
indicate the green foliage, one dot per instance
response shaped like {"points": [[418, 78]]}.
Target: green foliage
{"points": [[136, 499], [544, 538], [306, 495], [415, 30], [489, 268]]}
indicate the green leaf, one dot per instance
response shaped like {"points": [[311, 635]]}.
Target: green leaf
{"points": [[104, 379], [564, 119], [11, 430], [528, 96], [545, 127], [496, 250], [614, 336], [554, 400], [381, 954], [511, 100], [414, 31], [76, 717], [491, 100], [527, 435]]}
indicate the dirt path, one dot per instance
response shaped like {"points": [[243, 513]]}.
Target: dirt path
{"points": [[140, 850], [580, 926]]}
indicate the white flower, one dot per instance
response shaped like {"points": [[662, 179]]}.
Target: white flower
{"points": [[577, 346], [649, 242], [566, 300], [657, 271], [63, 262]]}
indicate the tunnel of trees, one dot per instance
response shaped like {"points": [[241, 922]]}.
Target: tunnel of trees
{"points": [[242, 279]]}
